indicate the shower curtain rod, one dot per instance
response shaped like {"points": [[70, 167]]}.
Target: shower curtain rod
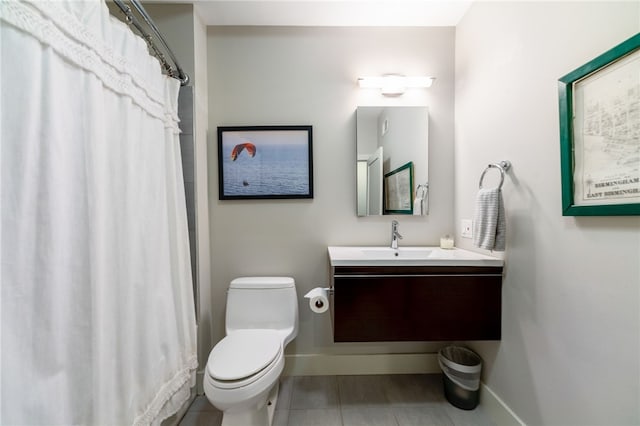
{"points": [[130, 18]]}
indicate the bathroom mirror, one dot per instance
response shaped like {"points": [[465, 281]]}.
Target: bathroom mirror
{"points": [[387, 139]]}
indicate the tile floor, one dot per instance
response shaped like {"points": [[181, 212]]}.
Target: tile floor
{"points": [[381, 400]]}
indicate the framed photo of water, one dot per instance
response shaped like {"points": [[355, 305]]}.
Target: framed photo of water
{"points": [[265, 162]]}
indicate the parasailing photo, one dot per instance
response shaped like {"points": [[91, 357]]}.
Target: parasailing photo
{"points": [[267, 162]]}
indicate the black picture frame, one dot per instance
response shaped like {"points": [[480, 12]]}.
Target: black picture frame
{"points": [[265, 162]]}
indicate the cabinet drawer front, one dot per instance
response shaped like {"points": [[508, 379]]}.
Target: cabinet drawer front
{"points": [[417, 307]]}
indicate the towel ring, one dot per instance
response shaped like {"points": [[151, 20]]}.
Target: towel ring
{"points": [[503, 166]]}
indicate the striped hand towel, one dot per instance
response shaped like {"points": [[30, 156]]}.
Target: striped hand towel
{"points": [[489, 221]]}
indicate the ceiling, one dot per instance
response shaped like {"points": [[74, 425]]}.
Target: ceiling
{"points": [[330, 12]]}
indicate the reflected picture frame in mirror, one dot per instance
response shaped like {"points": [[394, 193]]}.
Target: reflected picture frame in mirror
{"points": [[398, 190], [387, 138]]}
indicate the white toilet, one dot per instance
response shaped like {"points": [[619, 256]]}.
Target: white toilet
{"points": [[241, 377]]}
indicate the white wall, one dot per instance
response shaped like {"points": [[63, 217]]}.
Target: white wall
{"points": [[571, 319], [407, 139], [202, 193], [185, 33], [295, 75]]}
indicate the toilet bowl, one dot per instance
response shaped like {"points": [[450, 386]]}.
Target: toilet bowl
{"points": [[243, 369]]}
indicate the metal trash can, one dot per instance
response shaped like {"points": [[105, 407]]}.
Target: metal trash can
{"points": [[461, 368]]}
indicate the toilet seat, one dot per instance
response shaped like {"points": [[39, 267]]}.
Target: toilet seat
{"points": [[242, 357]]}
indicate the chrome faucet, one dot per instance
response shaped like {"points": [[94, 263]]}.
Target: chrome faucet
{"points": [[395, 235]]}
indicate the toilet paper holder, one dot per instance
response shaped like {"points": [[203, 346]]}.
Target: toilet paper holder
{"points": [[319, 299], [329, 290]]}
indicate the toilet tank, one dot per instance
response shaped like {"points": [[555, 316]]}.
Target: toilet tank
{"points": [[262, 302]]}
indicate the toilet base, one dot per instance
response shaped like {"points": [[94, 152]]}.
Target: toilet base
{"points": [[260, 416], [272, 401]]}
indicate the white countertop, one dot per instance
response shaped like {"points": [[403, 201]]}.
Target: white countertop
{"points": [[408, 256]]}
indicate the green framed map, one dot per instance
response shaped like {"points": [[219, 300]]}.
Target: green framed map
{"points": [[600, 134], [398, 190]]}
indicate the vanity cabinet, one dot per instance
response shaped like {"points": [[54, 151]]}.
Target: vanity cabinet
{"points": [[416, 303]]}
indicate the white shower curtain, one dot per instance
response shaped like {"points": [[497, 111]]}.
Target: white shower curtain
{"points": [[97, 315]]}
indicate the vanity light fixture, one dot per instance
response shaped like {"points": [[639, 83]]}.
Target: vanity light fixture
{"points": [[395, 84]]}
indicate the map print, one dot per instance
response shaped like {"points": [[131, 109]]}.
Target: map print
{"points": [[607, 134]]}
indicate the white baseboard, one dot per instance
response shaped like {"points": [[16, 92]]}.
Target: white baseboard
{"points": [[340, 365], [349, 365], [495, 407], [343, 365]]}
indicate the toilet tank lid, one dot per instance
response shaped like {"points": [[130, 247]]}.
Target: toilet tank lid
{"points": [[262, 282]]}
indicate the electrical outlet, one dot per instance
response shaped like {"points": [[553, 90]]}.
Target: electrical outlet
{"points": [[467, 228]]}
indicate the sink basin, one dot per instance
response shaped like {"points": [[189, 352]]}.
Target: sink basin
{"points": [[400, 253], [408, 256]]}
